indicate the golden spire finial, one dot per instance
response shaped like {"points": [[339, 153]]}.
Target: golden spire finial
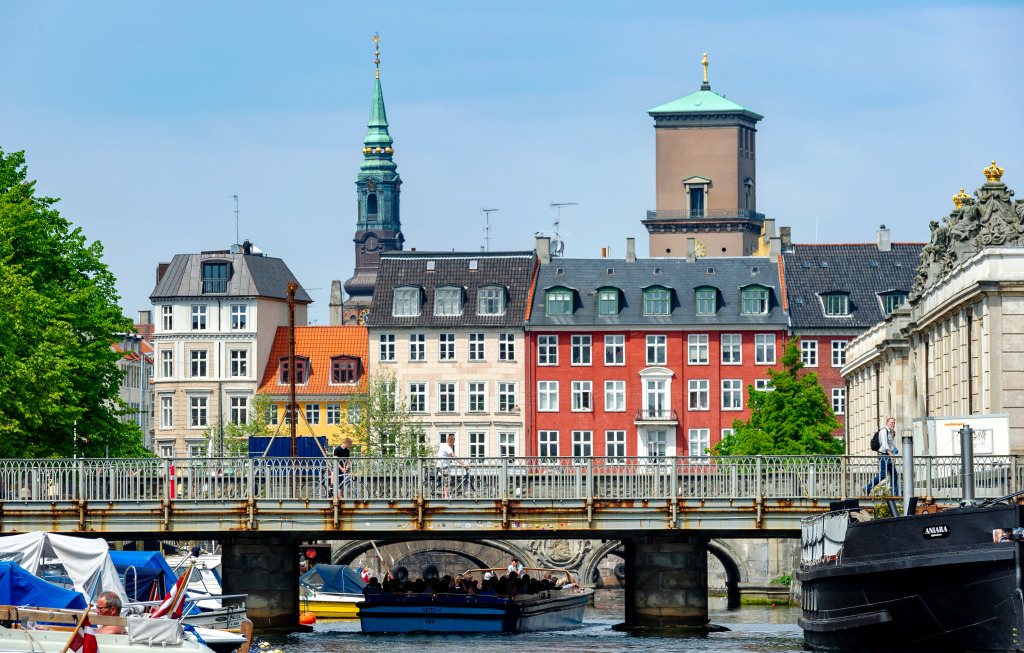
{"points": [[993, 173], [959, 198], [376, 53], [705, 64]]}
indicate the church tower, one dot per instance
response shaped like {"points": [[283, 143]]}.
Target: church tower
{"points": [[378, 222]]}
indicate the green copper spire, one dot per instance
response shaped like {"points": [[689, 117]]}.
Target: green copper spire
{"points": [[377, 148]]}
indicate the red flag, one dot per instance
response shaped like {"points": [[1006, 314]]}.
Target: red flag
{"points": [[84, 640], [174, 602], [365, 575]]}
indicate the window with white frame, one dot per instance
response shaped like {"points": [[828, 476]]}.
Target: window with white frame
{"points": [[615, 445], [732, 394], [754, 300], [447, 397], [407, 301], [476, 347], [167, 315], [417, 346], [239, 363], [354, 414], [417, 395], [839, 401], [198, 412], [491, 301], [656, 346], [196, 450], [582, 444], [198, 317], [699, 441], [547, 396], [547, 350], [506, 346], [166, 412], [657, 443], [836, 303], [727, 432], [167, 451], [764, 348], [448, 301], [239, 411], [313, 414], [387, 347], [333, 411], [273, 412], [477, 396], [699, 394], [838, 353], [547, 444], [239, 313], [809, 353], [507, 444], [508, 397], [442, 437], [615, 350], [477, 444], [197, 363], [732, 349], [580, 350], [446, 346], [166, 363], [763, 385], [893, 300], [697, 349], [614, 396], [582, 396]]}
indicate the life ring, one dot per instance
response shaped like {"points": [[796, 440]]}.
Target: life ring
{"points": [[620, 571], [431, 571], [401, 574]]}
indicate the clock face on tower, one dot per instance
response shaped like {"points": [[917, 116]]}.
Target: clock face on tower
{"points": [[371, 243]]}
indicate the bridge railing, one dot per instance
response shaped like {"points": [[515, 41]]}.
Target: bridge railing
{"points": [[521, 478]]}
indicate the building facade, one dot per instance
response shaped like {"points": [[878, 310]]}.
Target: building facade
{"points": [[216, 315]]}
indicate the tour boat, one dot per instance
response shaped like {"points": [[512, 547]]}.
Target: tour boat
{"points": [[331, 591]]}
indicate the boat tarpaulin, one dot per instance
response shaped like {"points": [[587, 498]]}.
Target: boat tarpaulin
{"points": [[333, 578], [20, 588], [86, 560], [142, 570], [823, 536]]}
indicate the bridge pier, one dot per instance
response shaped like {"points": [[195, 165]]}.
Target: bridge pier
{"points": [[666, 583], [266, 567]]}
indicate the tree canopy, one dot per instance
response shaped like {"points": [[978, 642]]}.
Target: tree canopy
{"points": [[794, 417], [59, 315], [387, 428]]}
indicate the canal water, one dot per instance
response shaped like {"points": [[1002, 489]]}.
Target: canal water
{"points": [[751, 628]]}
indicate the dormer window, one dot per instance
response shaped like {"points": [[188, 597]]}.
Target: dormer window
{"points": [[754, 300], [344, 369], [407, 301], [215, 277], [707, 300], [301, 370], [608, 301], [657, 300], [893, 300], [448, 301], [836, 303], [491, 301], [559, 301]]}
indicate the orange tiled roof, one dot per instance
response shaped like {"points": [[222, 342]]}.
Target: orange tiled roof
{"points": [[319, 344]]}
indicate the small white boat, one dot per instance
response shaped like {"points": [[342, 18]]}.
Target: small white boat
{"points": [[331, 591]]}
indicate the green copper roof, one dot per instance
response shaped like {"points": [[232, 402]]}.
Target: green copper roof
{"points": [[701, 102], [377, 137]]}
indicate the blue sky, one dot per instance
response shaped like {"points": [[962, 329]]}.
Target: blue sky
{"points": [[146, 117]]}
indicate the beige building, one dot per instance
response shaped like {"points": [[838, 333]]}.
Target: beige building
{"points": [[957, 347]]}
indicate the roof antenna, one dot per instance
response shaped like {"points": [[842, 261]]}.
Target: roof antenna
{"points": [[487, 225], [558, 215], [238, 242]]}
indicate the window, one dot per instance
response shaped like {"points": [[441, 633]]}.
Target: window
{"points": [[476, 347], [198, 317], [491, 301], [614, 396], [508, 398], [197, 406], [387, 347], [407, 301], [239, 363], [707, 301], [333, 414], [839, 401], [615, 350], [657, 443], [417, 394], [273, 410], [506, 346], [477, 444], [354, 413], [166, 412], [582, 444], [446, 346], [764, 348], [732, 394], [838, 353], [547, 350], [732, 350], [196, 450], [615, 445], [239, 410], [301, 367], [238, 315], [893, 300], [547, 442], [559, 301], [547, 396], [697, 349], [447, 397], [696, 202], [343, 370], [763, 385], [700, 441], [582, 396], [837, 304], [699, 394], [755, 300], [507, 444], [656, 394], [608, 302], [580, 350], [167, 451], [442, 437], [656, 301], [448, 301], [215, 277], [477, 397], [168, 317], [198, 359], [656, 350], [727, 432], [167, 363], [809, 353], [417, 347]]}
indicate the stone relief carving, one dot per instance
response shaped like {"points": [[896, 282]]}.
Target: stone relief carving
{"points": [[559, 554]]}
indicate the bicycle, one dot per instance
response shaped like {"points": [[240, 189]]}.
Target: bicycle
{"points": [[464, 483]]}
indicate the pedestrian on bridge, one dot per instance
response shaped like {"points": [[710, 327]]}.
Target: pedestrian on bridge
{"points": [[445, 455], [342, 453], [887, 449]]}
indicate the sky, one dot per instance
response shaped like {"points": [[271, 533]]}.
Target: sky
{"points": [[146, 118]]}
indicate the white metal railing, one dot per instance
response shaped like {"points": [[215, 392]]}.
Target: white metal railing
{"points": [[541, 478]]}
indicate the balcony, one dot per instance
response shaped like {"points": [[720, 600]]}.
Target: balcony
{"points": [[703, 214], [213, 285], [656, 416]]}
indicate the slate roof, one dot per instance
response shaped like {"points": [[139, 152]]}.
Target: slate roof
{"points": [[730, 274], [701, 102], [250, 275], [511, 270], [319, 344], [859, 269]]}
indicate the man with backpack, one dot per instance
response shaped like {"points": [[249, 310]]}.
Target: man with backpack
{"points": [[884, 443]]}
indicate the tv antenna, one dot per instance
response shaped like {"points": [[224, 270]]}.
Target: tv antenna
{"points": [[236, 219], [487, 225], [558, 215]]}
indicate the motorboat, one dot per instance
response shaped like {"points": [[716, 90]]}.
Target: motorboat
{"points": [[331, 591]]}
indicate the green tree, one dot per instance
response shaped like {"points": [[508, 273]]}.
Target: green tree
{"points": [[236, 436], [58, 317], [387, 428], [793, 418]]}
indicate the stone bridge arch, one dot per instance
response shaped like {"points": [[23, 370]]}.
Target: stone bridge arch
{"points": [[734, 572], [480, 553]]}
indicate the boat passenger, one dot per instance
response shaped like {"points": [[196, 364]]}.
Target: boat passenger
{"points": [[108, 604], [516, 566]]}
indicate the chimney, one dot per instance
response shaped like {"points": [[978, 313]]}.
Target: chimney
{"points": [[630, 250], [786, 235], [774, 246], [543, 246], [246, 247], [144, 317], [691, 250], [769, 228], [884, 239], [161, 269], [336, 307]]}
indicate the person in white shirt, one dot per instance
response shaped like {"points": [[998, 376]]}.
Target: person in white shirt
{"points": [[445, 456], [886, 468], [516, 566]]}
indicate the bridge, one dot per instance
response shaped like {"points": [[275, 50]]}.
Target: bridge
{"points": [[664, 509]]}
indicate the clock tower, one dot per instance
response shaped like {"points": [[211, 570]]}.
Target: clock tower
{"points": [[378, 223]]}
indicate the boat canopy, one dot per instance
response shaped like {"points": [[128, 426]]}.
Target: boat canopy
{"points": [[20, 588], [333, 578], [86, 561], [146, 574]]}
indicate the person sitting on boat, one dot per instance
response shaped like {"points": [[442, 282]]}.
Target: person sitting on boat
{"points": [[372, 587], [445, 455], [886, 451], [108, 604], [501, 590], [516, 566]]}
